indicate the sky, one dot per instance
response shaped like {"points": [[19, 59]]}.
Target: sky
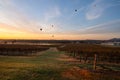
{"points": [[63, 19]]}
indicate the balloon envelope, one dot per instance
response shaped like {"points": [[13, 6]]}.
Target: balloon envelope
{"points": [[75, 10], [41, 29]]}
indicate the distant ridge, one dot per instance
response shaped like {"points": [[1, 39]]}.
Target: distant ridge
{"points": [[114, 40]]}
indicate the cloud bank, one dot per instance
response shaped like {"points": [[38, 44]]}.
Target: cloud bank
{"points": [[105, 28]]}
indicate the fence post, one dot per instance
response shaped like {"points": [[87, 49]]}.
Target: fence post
{"points": [[95, 61]]}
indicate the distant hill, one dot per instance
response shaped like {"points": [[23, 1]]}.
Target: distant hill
{"points": [[114, 40]]}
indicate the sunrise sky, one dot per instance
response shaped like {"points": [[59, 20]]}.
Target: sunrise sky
{"points": [[94, 19]]}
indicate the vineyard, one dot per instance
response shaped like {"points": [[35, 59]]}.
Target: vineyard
{"points": [[59, 62], [20, 50], [94, 54]]}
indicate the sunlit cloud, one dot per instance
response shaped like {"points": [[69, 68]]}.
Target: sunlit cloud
{"points": [[100, 31], [10, 15], [104, 28], [5, 28], [97, 8], [10, 32]]}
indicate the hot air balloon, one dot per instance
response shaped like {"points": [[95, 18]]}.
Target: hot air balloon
{"points": [[95, 5], [75, 10], [52, 35], [40, 29], [52, 26]]}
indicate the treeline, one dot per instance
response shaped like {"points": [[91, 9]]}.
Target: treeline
{"points": [[88, 52], [20, 50]]}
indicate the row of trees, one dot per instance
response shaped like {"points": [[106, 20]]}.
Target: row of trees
{"points": [[90, 52], [19, 50]]}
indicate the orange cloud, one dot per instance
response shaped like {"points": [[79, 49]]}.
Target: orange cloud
{"points": [[10, 32]]}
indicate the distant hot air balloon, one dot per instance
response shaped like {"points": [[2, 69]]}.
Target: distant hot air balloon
{"points": [[40, 29], [75, 10], [52, 26], [52, 35], [95, 5]]}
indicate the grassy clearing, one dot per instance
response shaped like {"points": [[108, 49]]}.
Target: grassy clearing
{"points": [[40, 67]]}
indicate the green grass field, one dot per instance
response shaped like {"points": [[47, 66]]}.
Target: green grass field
{"points": [[47, 65], [40, 67]]}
